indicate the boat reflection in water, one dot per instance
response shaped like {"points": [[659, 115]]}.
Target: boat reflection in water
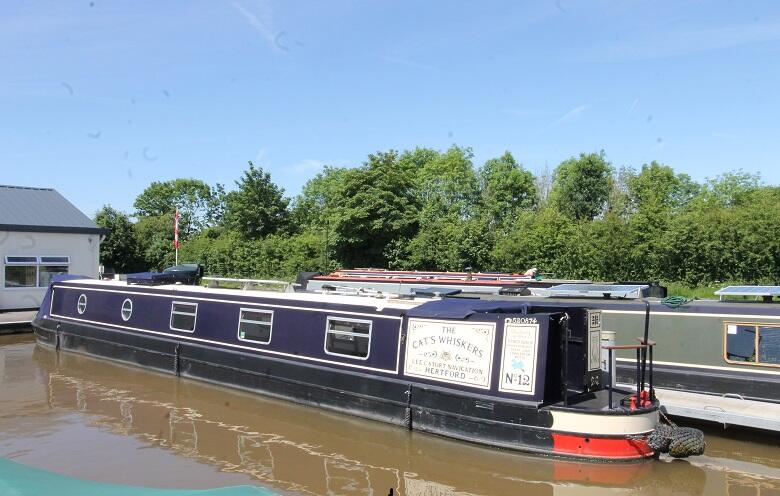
{"points": [[303, 450]]}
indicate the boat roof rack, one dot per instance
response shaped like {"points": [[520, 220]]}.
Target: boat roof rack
{"points": [[623, 291], [765, 292], [435, 292], [367, 292]]}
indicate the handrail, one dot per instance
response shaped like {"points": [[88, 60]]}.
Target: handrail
{"points": [[644, 356], [625, 347], [249, 283]]}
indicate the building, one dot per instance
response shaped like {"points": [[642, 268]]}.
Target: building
{"points": [[42, 234]]}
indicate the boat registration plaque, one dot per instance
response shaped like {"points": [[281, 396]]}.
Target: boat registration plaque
{"points": [[447, 351], [518, 358]]}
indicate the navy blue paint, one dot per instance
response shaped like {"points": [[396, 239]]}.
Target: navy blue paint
{"points": [[300, 332], [461, 308]]}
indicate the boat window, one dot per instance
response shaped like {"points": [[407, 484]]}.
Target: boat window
{"points": [[769, 345], [183, 316], [255, 325], [127, 309], [754, 344], [348, 337], [81, 305]]}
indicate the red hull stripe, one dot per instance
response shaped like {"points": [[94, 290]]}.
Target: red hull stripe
{"points": [[595, 447]]}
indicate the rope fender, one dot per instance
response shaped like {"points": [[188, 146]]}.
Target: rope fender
{"points": [[679, 442]]}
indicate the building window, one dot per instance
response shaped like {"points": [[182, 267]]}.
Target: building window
{"points": [[81, 306], [45, 273], [255, 325], [127, 309], [183, 316], [753, 344], [348, 337], [33, 271], [20, 276]]}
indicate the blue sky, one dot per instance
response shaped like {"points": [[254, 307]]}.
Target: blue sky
{"points": [[98, 98]]}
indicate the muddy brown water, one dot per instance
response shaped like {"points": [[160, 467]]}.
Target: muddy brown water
{"points": [[93, 419]]}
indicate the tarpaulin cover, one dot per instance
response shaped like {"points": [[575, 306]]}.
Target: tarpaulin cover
{"points": [[460, 308]]}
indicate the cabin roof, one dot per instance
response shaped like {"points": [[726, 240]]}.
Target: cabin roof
{"points": [[367, 301], [703, 307], [460, 308]]}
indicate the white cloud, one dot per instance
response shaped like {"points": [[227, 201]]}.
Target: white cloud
{"points": [[568, 116], [633, 106], [261, 21], [307, 166]]}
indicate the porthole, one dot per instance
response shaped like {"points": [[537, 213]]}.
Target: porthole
{"points": [[127, 309], [81, 306]]}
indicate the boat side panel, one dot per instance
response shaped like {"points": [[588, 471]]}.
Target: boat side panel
{"points": [[297, 335], [696, 344]]}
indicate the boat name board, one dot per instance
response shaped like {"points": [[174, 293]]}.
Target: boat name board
{"points": [[518, 358], [448, 351]]}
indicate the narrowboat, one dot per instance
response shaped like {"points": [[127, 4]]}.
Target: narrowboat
{"points": [[716, 359], [511, 374]]}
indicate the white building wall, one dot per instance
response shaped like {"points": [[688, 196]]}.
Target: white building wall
{"points": [[83, 250]]}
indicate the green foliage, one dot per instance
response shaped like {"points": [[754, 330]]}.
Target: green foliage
{"points": [[431, 210], [539, 239], [374, 207], [232, 255], [581, 186], [155, 240], [119, 249], [449, 243], [258, 208], [507, 189], [448, 183], [199, 204], [732, 188], [314, 207]]}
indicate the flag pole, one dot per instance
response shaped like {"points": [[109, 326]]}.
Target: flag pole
{"points": [[176, 217]]}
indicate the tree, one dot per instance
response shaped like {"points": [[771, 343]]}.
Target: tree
{"points": [[448, 182], [374, 207], [581, 186], [119, 249], [155, 240], [658, 189], [198, 204], [258, 208], [544, 240], [448, 243], [507, 188], [313, 207], [732, 188], [655, 195]]}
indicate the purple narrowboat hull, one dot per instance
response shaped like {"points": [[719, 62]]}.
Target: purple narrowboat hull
{"points": [[438, 367]]}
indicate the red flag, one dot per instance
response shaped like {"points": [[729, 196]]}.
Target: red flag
{"points": [[176, 217]]}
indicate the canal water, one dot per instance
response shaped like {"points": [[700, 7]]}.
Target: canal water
{"points": [[96, 420]]}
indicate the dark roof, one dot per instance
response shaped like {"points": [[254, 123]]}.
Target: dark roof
{"points": [[41, 210], [461, 308]]}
